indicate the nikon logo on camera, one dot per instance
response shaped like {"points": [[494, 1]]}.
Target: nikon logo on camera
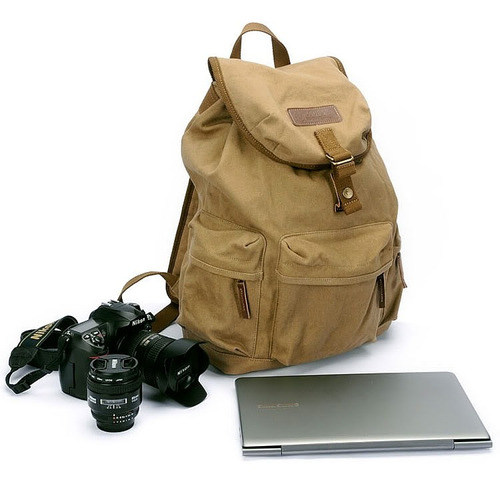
{"points": [[182, 370], [138, 321]]}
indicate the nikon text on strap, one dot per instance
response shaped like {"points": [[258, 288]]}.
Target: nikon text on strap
{"points": [[38, 348]]}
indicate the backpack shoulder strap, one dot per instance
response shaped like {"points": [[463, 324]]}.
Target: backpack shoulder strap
{"points": [[189, 208], [170, 313]]}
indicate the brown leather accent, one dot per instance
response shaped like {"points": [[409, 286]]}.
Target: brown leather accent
{"points": [[314, 116], [343, 167], [244, 303], [399, 265], [381, 291], [280, 53]]}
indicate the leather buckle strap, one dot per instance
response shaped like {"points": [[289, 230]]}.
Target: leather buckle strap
{"points": [[343, 167]]}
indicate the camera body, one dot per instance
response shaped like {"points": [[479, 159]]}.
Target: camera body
{"points": [[100, 335], [172, 366]]}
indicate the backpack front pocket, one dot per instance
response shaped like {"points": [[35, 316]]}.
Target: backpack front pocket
{"points": [[220, 284], [331, 291]]}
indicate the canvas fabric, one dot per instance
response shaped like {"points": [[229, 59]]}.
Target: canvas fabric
{"points": [[288, 248]]}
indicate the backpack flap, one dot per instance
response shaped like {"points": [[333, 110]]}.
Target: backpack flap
{"points": [[279, 116]]}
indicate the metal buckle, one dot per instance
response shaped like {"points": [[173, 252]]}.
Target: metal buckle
{"points": [[339, 163]]}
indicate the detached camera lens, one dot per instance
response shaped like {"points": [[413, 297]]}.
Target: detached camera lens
{"points": [[114, 391]]}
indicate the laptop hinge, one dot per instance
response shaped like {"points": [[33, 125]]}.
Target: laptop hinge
{"points": [[472, 444], [406, 445]]}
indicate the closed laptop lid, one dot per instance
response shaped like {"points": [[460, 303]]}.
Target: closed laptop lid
{"points": [[356, 412]]}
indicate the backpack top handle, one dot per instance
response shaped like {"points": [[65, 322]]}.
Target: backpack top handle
{"points": [[280, 53]]}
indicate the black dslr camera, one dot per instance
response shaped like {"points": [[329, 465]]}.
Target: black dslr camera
{"points": [[172, 366]]}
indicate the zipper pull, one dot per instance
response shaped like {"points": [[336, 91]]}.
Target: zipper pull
{"points": [[381, 291], [242, 293], [399, 265]]}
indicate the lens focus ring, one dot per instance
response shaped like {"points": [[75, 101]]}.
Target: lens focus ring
{"points": [[118, 389]]}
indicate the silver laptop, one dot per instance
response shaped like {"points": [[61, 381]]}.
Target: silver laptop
{"points": [[287, 415]]}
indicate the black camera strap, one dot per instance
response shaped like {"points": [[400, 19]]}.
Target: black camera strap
{"points": [[38, 348]]}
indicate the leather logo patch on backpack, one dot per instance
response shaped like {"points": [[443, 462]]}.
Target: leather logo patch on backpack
{"points": [[314, 116]]}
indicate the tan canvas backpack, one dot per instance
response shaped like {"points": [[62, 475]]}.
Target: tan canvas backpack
{"points": [[287, 249]]}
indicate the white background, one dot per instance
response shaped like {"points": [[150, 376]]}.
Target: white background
{"points": [[94, 97]]}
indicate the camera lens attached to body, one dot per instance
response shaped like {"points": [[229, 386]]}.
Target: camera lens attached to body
{"points": [[105, 359], [114, 391], [172, 366]]}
